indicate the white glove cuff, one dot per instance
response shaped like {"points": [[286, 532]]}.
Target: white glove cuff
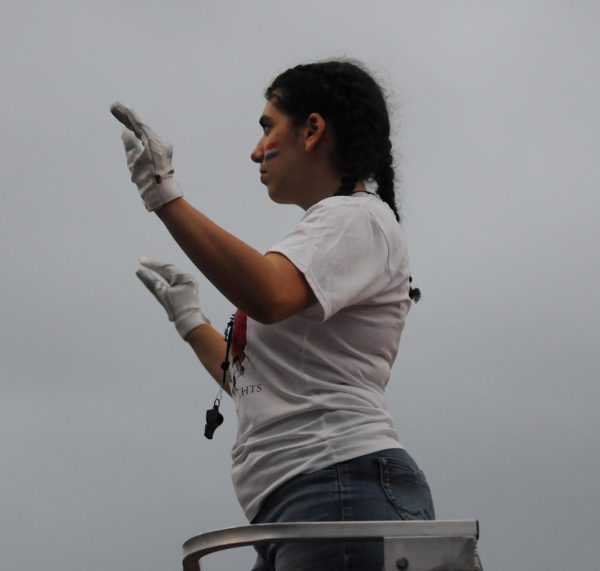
{"points": [[190, 320], [157, 194]]}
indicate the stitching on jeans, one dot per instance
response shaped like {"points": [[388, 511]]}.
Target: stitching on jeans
{"points": [[339, 469], [385, 479], [418, 473], [344, 515], [385, 484]]}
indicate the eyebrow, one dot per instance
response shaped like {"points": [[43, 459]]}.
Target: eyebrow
{"points": [[265, 120]]}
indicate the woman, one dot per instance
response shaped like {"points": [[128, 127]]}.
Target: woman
{"points": [[319, 315]]}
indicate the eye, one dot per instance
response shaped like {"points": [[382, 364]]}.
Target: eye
{"points": [[266, 124]]}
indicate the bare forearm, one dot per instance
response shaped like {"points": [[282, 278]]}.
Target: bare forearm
{"points": [[209, 346], [241, 273], [267, 288]]}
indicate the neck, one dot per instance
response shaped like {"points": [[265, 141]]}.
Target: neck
{"points": [[323, 185]]}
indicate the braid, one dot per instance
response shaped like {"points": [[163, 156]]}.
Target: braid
{"points": [[348, 183], [385, 176]]}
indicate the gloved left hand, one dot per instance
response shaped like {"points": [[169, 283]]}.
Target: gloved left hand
{"points": [[177, 292], [148, 158]]}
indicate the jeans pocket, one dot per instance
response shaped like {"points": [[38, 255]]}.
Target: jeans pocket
{"points": [[406, 488]]}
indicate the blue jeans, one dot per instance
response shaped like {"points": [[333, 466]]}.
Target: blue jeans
{"points": [[385, 485]]}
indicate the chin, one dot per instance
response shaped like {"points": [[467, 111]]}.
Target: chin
{"points": [[274, 195], [279, 196]]}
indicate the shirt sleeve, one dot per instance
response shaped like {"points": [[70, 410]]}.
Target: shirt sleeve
{"points": [[342, 252]]}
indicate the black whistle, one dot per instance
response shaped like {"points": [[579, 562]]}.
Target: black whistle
{"points": [[214, 419]]}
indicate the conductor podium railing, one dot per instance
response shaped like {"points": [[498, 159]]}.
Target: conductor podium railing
{"points": [[408, 545]]}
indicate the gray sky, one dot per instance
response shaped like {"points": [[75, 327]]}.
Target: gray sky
{"points": [[495, 391]]}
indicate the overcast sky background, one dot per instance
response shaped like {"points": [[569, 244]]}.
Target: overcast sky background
{"points": [[495, 390]]}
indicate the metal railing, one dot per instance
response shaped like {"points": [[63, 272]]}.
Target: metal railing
{"points": [[411, 545]]}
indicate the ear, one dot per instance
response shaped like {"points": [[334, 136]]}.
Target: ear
{"points": [[315, 128]]}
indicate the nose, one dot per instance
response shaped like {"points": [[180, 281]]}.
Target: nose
{"points": [[257, 154]]}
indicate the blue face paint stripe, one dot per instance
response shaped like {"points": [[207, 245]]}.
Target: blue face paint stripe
{"points": [[271, 152]]}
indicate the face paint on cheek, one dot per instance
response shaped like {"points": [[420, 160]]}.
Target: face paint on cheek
{"points": [[271, 151]]}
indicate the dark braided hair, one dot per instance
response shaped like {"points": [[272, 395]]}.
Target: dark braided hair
{"points": [[353, 105]]}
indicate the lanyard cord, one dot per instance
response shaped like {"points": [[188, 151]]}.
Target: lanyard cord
{"points": [[225, 364], [214, 418]]}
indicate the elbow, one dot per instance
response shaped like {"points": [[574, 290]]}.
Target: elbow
{"points": [[281, 293], [271, 310], [279, 301], [267, 315]]}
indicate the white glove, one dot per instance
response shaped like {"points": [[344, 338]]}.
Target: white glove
{"points": [[179, 295], [148, 158]]}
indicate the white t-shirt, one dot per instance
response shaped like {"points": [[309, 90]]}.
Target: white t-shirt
{"points": [[309, 391]]}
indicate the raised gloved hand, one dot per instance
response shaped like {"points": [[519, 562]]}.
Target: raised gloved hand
{"points": [[148, 158], [177, 293]]}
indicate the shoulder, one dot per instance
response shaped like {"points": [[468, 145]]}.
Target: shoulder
{"points": [[373, 220], [347, 209], [358, 223]]}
